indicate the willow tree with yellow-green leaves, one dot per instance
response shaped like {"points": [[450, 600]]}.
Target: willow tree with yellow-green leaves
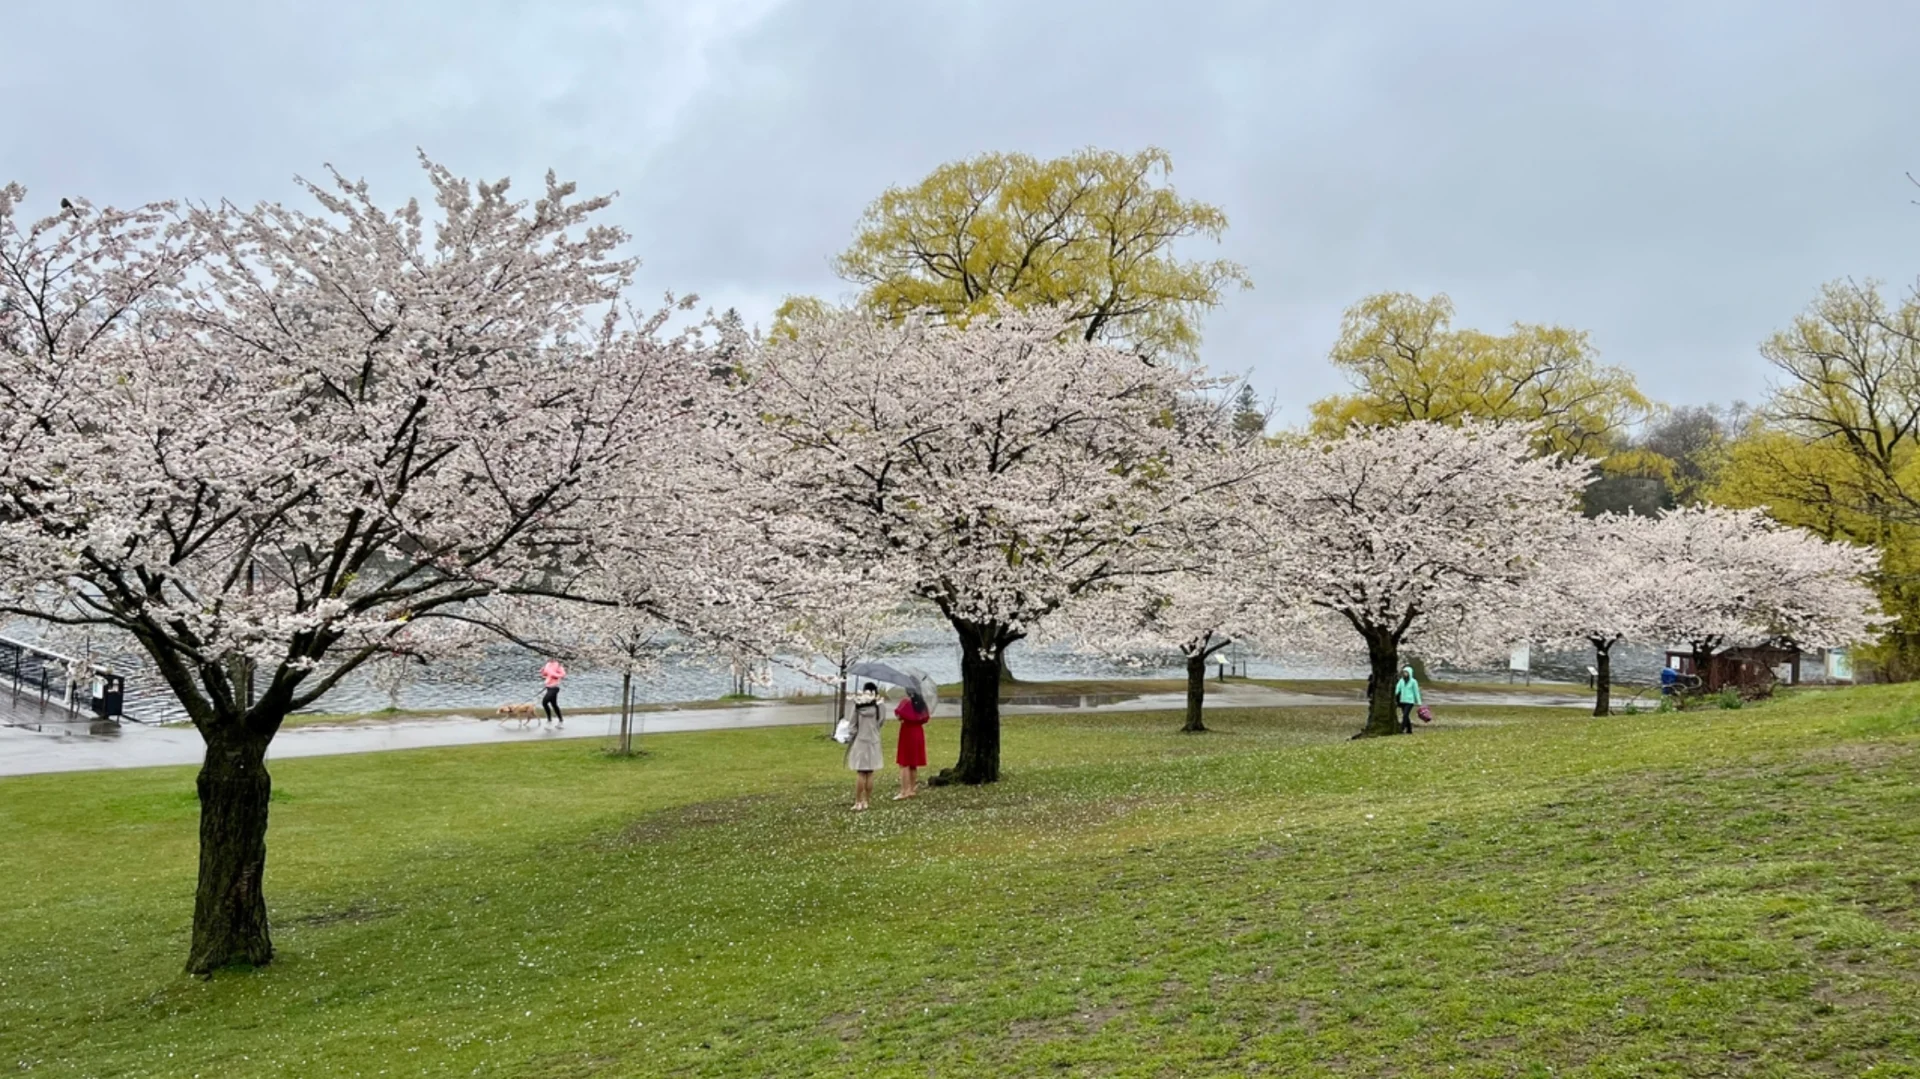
{"points": [[1836, 446], [1092, 234], [1406, 362]]}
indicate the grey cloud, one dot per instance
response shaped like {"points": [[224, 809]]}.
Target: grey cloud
{"points": [[1676, 178]]}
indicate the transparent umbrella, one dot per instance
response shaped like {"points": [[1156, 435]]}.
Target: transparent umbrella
{"points": [[908, 678]]}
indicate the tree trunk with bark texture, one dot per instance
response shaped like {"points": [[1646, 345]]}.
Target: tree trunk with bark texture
{"points": [[1603, 678], [626, 712], [1383, 661], [230, 906], [981, 648], [1196, 691]]}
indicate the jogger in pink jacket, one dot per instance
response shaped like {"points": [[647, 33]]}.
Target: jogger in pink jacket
{"points": [[552, 673]]}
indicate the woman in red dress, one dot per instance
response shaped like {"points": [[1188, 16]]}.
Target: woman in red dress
{"points": [[911, 754]]}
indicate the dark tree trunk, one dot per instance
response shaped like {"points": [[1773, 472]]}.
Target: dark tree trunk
{"points": [[626, 712], [981, 648], [1006, 672], [1383, 663], [230, 906], [1196, 690], [1603, 678]]}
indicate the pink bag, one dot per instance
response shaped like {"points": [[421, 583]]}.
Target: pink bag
{"points": [[1426, 714]]}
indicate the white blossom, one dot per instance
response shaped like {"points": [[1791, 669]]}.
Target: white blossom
{"points": [[265, 442], [996, 471], [1738, 577], [1409, 534]]}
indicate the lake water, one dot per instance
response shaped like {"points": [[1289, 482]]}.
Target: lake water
{"points": [[510, 676]]}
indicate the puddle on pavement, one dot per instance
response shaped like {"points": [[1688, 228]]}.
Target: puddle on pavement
{"points": [[1085, 700]]}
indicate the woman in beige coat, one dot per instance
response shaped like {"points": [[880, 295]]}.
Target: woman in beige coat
{"points": [[863, 753]]}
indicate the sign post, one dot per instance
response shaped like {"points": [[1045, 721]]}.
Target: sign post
{"points": [[1521, 662]]}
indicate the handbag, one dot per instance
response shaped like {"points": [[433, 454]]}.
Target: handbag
{"points": [[843, 730], [1426, 714]]}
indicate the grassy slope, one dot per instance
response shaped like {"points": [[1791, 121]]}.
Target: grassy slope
{"points": [[1708, 893]]}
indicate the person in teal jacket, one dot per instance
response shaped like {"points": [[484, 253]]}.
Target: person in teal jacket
{"points": [[1406, 692]]}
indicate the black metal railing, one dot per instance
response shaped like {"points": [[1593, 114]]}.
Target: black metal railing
{"points": [[40, 680]]}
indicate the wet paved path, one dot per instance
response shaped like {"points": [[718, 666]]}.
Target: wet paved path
{"points": [[84, 746], [27, 710]]}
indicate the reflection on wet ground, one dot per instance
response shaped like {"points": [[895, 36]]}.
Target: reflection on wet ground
{"points": [[28, 711], [1085, 700]]}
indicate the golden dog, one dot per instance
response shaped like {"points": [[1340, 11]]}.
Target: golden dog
{"points": [[522, 712]]}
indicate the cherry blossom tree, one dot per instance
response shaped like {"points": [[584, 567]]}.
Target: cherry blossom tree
{"points": [[1600, 584], [999, 469], [262, 441], [756, 589], [1187, 617], [1705, 575], [594, 630], [407, 653], [1738, 577], [1224, 595], [844, 618], [1414, 530]]}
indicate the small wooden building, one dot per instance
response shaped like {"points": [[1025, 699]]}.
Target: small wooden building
{"points": [[1756, 667]]}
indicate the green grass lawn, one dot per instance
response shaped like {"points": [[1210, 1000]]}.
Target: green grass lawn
{"points": [[1516, 892]]}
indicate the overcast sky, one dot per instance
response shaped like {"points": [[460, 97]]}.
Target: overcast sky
{"points": [[1675, 177]]}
